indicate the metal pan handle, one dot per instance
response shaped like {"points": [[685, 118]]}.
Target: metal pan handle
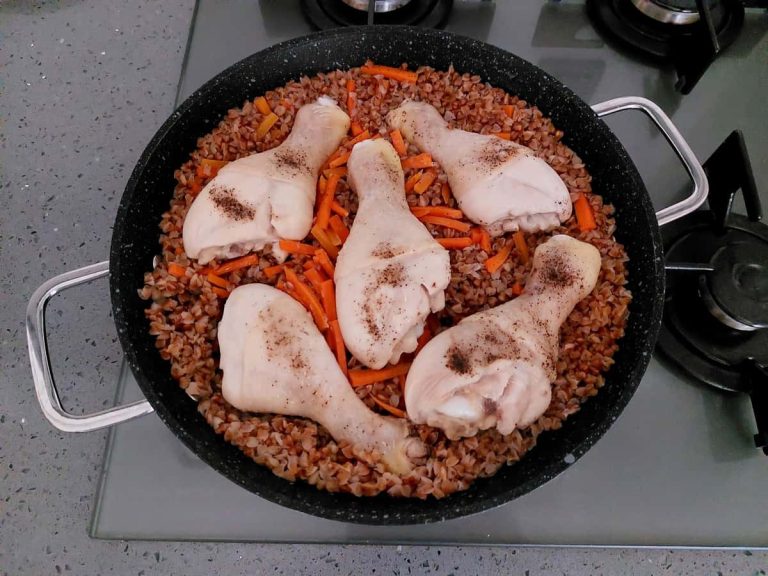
{"points": [[45, 387], [679, 145]]}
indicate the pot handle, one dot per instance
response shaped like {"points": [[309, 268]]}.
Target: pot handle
{"points": [[45, 387], [679, 145]]}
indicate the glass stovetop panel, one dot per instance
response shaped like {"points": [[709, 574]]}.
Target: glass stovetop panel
{"points": [[677, 469]]}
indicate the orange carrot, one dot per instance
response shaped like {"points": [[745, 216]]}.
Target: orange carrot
{"points": [[262, 105], [324, 261], [332, 236], [308, 296], [509, 110], [232, 265], [412, 180], [359, 377], [195, 186], [340, 171], [339, 228], [355, 128], [217, 280], [455, 243], [338, 345], [475, 234], [424, 182], [220, 292], [485, 241], [208, 167], [445, 192], [308, 264], [339, 209], [314, 277], [324, 211], [495, 262], [446, 222], [389, 72], [328, 296], [294, 247], [521, 245], [422, 160], [398, 143], [272, 271], [364, 135], [176, 270], [420, 211], [322, 238], [517, 289], [584, 214], [351, 97], [389, 408], [425, 337], [266, 124], [340, 160], [503, 135]]}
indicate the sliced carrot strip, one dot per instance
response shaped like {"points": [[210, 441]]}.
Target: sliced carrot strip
{"points": [[584, 214], [339, 209], [220, 292], [509, 110], [322, 238], [503, 135], [476, 235], [324, 211], [412, 180], [365, 135], [351, 97], [398, 143], [322, 258], [194, 185], [447, 223], [425, 337], [445, 192], [208, 167], [422, 160], [340, 160], [389, 408], [294, 247], [355, 128], [308, 264], [217, 280], [340, 171], [455, 243], [314, 277], [176, 270], [339, 228], [266, 124], [309, 297], [495, 262], [338, 345], [485, 241], [389, 72], [272, 271], [332, 236], [425, 182], [360, 377], [521, 245], [328, 296], [232, 265], [420, 211], [517, 289], [262, 105]]}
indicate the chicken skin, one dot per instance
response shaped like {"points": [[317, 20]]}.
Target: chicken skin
{"points": [[257, 200], [390, 272], [495, 367], [498, 184]]}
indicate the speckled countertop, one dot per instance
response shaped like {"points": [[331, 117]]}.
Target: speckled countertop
{"points": [[83, 86]]}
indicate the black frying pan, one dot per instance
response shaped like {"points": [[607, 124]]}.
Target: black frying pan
{"points": [[135, 242]]}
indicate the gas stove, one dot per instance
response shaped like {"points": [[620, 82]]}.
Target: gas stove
{"points": [[681, 454]]}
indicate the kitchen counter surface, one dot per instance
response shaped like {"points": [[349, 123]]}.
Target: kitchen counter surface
{"points": [[83, 86]]}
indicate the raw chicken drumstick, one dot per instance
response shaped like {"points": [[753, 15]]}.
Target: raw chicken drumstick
{"points": [[390, 273], [259, 199], [275, 360], [497, 183], [494, 368]]}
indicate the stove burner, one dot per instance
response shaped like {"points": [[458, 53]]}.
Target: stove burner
{"points": [[378, 5], [715, 324], [324, 14], [690, 34]]}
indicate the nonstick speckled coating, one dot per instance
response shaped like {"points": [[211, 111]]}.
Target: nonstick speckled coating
{"points": [[149, 190]]}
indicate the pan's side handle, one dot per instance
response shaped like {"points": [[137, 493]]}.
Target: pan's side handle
{"points": [[679, 145], [45, 387]]}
